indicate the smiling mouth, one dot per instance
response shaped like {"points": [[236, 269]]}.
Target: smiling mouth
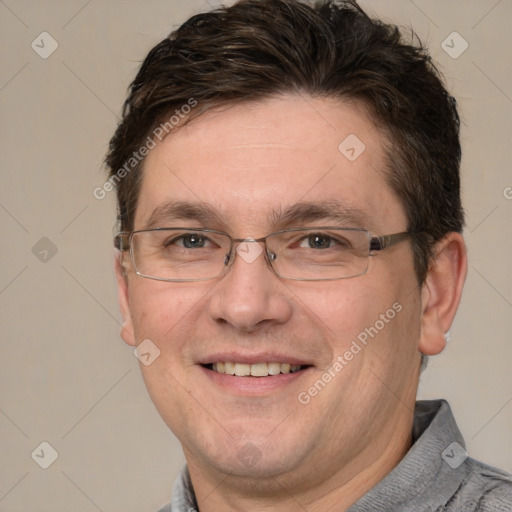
{"points": [[254, 370]]}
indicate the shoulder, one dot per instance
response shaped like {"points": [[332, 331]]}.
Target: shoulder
{"points": [[485, 488], [166, 508], [185, 508]]}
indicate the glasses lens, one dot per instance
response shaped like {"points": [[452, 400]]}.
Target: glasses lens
{"points": [[177, 254], [321, 254]]}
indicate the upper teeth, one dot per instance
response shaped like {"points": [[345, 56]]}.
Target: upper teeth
{"points": [[255, 370]]}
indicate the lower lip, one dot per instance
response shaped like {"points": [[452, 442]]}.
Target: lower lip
{"points": [[252, 385]]}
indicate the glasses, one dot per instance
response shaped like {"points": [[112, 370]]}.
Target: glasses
{"points": [[303, 254]]}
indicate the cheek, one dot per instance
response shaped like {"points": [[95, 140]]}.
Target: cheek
{"points": [[381, 317], [156, 308], [171, 315], [347, 307]]}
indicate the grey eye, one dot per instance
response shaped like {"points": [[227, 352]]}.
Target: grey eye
{"points": [[319, 241], [193, 241]]}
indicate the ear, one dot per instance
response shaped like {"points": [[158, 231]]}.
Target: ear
{"points": [[127, 331], [441, 292]]}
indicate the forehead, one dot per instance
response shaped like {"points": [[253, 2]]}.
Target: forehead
{"points": [[250, 163]]}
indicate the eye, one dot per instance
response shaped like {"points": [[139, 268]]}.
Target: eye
{"points": [[317, 241], [189, 241]]}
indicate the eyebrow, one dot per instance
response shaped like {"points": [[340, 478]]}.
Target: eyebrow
{"points": [[182, 210], [331, 211]]}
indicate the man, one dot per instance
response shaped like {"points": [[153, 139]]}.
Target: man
{"points": [[290, 253]]}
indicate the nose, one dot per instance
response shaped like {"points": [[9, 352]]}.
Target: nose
{"points": [[250, 296]]}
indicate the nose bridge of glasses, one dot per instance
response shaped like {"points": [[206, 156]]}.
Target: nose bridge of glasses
{"points": [[248, 249]]}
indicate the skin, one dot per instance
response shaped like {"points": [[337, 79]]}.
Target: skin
{"points": [[246, 162]]}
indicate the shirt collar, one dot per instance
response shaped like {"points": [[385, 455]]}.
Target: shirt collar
{"points": [[422, 480]]}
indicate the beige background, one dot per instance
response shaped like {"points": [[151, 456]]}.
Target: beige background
{"points": [[65, 376]]}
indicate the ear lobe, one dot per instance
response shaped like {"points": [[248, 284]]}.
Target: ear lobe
{"points": [[441, 292], [127, 331]]}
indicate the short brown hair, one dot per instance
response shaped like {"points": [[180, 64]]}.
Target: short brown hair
{"points": [[262, 48]]}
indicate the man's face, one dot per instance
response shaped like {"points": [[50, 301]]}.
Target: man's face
{"points": [[250, 165]]}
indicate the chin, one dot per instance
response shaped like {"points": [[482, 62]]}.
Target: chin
{"points": [[255, 464], [257, 457]]}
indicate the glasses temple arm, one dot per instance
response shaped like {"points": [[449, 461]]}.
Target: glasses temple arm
{"points": [[122, 241], [378, 243]]}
